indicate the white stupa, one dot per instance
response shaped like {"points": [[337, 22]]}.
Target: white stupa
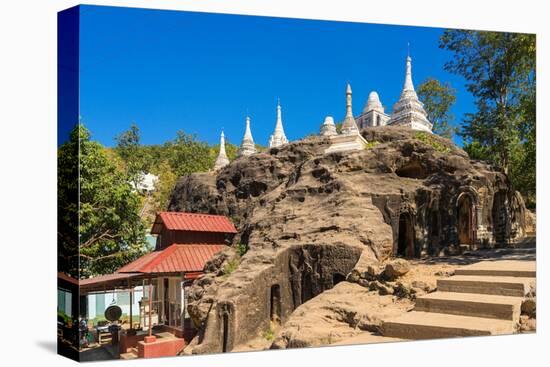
{"points": [[247, 145], [373, 103], [328, 128], [221, 160], [409, 111], [349, 126], [350, 138], [278, 138]]}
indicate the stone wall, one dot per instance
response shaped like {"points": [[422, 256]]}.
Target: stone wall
{"points": [[244, 305]]}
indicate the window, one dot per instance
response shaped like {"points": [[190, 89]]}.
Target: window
{"points": [[64, 302]]}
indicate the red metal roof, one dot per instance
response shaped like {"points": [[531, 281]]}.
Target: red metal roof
{"points": [[179, 221], [107, 278], [67, 278], [176, 258]]}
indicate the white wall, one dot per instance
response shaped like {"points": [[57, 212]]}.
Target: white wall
{"points": [[120, 299]]}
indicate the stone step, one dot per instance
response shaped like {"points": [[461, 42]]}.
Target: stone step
{"points": [[503, 286], [507, 268], [429, 325], [129, 355], [470, 304]]}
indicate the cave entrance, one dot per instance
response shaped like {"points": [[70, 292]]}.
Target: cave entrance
{"points": [[500, 217], [225, 321], [307, 287], [337, 278], [275, 304], [435, 229], [466, 220], [314, 269], [405, 240]]}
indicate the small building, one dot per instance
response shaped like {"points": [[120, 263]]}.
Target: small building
{"points": [[373, 113], [185, 242]]}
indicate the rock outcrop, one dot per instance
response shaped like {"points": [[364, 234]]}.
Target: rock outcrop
{"points": [[343, 312], [308, 219]]}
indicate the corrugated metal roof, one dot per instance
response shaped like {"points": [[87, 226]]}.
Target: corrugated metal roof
{"points": [[67, 278], [177, 258], [180, 221], [106, 278]]}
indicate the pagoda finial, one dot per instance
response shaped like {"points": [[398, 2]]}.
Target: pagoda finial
{"points": [[279, 117], [221, 160], [349, 126], [278, 138], [408, 84], [247, 145], [409, 111]]}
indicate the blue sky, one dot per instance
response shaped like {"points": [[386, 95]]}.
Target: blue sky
{"points": [[201, 72]]}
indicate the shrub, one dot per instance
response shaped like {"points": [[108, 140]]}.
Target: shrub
{"points": [[269, 335], [429, 139], [241, 249], [372, 144], [230, 266]]}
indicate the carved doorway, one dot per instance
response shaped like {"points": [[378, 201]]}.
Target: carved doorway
{"points": [[466, 220], [405, 240], [500, 217], [225, 340], [275, 303]]}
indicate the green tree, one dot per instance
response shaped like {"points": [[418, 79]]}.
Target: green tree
{"points": [[438, 99], [524, 162], [109, 228], [67, 206], [499, 68], [164, 186], [129, 149], [188, 154]]}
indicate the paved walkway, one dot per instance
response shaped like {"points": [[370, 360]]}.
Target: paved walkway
{"points": [[103, 353]]}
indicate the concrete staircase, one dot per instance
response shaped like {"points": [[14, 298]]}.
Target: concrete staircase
{"points": [[480, 299]]}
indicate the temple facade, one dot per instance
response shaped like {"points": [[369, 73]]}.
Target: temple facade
{"points": [[373, 114]]}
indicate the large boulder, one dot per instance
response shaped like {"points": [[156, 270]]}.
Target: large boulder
{"points": [[345, 311], [529, 307], [396, 268]]}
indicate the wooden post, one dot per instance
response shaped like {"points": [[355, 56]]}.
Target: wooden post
{"points": [[131, 290], [150, 304]]}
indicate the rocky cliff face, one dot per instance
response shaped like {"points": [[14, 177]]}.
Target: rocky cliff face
{"points": [[309, 218]]}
